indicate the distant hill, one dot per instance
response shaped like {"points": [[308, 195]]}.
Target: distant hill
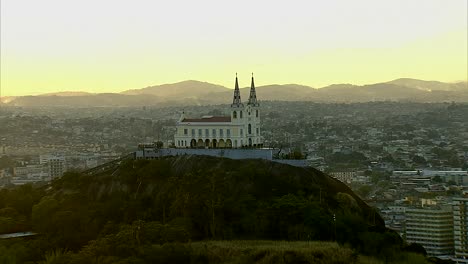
{"points": [[67, 93], [93, 100], [7, 99], [203, 93], [287, 92], [373, 92], [185, 89], [430, 85]]}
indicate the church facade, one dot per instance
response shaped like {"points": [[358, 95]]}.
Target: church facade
{"points": [[240, 129]]}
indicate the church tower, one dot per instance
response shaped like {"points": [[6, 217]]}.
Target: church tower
{"points": [[253, 95], [253, 121], [237, 107], [236, 101]]}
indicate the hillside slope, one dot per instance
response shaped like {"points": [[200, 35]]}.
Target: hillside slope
{"points": [[223, 198], [153, 211]]}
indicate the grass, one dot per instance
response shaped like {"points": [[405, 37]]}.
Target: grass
{"points": [[262, 252], [255, 251]]}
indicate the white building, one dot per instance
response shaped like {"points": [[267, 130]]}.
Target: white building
{"points": [[240, 129], [343, 176], [432, 228], [56, 165], [29, 170], [460, 229]]}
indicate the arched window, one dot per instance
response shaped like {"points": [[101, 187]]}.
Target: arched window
{"points": [[234, 114], [240, 114], [250, 129], [256, 113]]}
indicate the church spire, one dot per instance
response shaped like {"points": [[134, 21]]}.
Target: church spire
{"points": [[253, 94], [236, 101]]}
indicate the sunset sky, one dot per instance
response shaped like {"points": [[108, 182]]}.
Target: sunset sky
{"points": [[111, 46]]}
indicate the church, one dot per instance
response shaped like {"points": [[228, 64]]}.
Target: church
{"points": [[241, 129]]}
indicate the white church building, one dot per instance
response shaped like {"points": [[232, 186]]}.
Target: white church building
{"points": [[241, 129]]}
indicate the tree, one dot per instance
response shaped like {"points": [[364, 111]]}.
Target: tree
{"points": [[159, 144], [347, 202], [364, 191], [42, 212], [57, 256], [419, 160], [416, 248], [437, 179]]}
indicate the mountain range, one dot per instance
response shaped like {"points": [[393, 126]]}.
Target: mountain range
{"points": [[193, 92]]}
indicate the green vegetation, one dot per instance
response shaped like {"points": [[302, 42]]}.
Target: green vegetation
{"points": [[152, 211], [105, 250]]}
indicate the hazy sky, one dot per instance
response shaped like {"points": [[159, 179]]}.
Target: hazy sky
{"points": [[111, 46]]}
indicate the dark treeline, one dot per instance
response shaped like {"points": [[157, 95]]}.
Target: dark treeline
{"points": [[143, 209]]}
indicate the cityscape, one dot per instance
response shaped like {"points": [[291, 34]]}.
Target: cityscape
{"points": [[288, 132], [408, 160]]}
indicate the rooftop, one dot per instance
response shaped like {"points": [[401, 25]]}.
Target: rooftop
{"points": [[211, 119]]}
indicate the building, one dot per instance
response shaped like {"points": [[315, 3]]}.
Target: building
{"points": [[29, 170], [405, 174], [432, 228], [460, 229], [240, 129], [30, 174], [56, 165], [344, 176], [460, 177]]}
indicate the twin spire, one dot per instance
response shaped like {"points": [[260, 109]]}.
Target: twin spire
{"points": [[253, 94], [236, 101]]}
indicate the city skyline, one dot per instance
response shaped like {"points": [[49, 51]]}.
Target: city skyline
{"points": [[116, 46]]}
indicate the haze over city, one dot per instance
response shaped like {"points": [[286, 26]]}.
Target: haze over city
{"points": [[246, 132], [112, 46]]}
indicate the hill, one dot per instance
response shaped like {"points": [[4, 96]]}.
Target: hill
{"points": [[373, 92], [67, 93], [203, 93], [430, 85], [224, 198], [145, 211], [93, 100], [180, 90]]}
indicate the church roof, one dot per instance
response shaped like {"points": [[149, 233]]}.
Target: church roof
{"points": [[211, 119]]}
